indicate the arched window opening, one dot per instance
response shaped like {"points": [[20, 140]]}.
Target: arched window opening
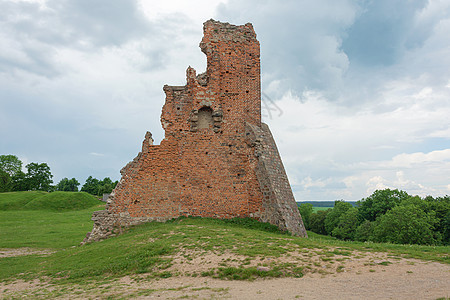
{"points": [[205, 119]]}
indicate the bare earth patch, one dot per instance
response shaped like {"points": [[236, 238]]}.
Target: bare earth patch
{"points": [[361, 275], [5, 252]]}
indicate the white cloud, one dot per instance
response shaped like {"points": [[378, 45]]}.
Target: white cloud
{"points": [[96, 154], [308, 182], [409, 160], [351, 153], [376, 183], [201, 10]]}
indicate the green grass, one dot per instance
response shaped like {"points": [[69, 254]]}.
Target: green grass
{"points": [[18, 200], [45, 220], [44, 229], [149, 248], [316, 209], [38, 200]]}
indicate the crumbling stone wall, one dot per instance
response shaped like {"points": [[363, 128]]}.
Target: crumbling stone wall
{"points": [[217, 159]]}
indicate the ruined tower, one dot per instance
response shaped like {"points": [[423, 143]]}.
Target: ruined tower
{"points": [[217, 159]]}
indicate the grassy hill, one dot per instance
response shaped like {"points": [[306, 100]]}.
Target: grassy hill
{"points": [[242, 246], [45, 220], [39, 200]]}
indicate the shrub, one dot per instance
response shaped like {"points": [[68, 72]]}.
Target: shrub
{"points": [[446, 231], [332, 219], [406, 225], [347, 224], [380, 202], [317, 221], [306, 209], [364, 231]]}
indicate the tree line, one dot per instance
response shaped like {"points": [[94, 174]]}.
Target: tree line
{"points": [[388, 216], [38, 177]]}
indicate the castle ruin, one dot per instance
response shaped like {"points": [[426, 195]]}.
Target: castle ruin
{"points": [[217, 158]]}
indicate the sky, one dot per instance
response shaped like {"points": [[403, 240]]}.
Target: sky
{"points": [[356, 93]]}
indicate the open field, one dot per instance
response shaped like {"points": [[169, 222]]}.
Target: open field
{"points": [[316, 209], [192, 257]]}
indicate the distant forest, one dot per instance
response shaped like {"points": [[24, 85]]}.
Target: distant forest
{"points": [[323, 203]]}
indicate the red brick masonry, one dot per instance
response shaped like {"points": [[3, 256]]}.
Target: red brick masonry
{"points": [[217, 159]]}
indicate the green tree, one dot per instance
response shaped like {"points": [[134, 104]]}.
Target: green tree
{"points": [[306, 209], [317, 221], [347, 224], [439, 206], [90, 186], [5, 182], [105, 186], [68, 185], [39, 176], [446, 225], [19, 182], [10, 166], [364, 231], [380, 202], [406, 224], [332, 219], [98, 187]]}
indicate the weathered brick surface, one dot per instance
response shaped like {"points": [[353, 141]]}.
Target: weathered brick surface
{"points": [[217, 159]]}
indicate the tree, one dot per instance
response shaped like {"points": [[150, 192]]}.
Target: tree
{"points": [[20, 182], [364, 231], [39, 176], [347, 224], [306, 209], [5, 182], [105, 186], [98, 187], [441, 207], [380, 202], [317, 221], [68, 185], [446, 225], [90, 186], [406, 224], [332, 219], [10, 166]]}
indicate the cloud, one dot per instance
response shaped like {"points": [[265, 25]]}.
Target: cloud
{"points": [[382, 31], [349, 153], [357, 93], [96, 154], [300, 41], [409, 160]]}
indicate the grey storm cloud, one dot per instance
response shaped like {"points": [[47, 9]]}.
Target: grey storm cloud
{"points": [[333, 46], [32, 33], [301, 41], [382, 31]]}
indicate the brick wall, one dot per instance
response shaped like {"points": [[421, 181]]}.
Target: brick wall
{"points": [[217, 159]]}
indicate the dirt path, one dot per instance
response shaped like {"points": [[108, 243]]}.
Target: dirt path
{"points": [[404, 279], [399, 279]]}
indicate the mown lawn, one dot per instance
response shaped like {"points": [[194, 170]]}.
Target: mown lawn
{"points": [[44, 229]]}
